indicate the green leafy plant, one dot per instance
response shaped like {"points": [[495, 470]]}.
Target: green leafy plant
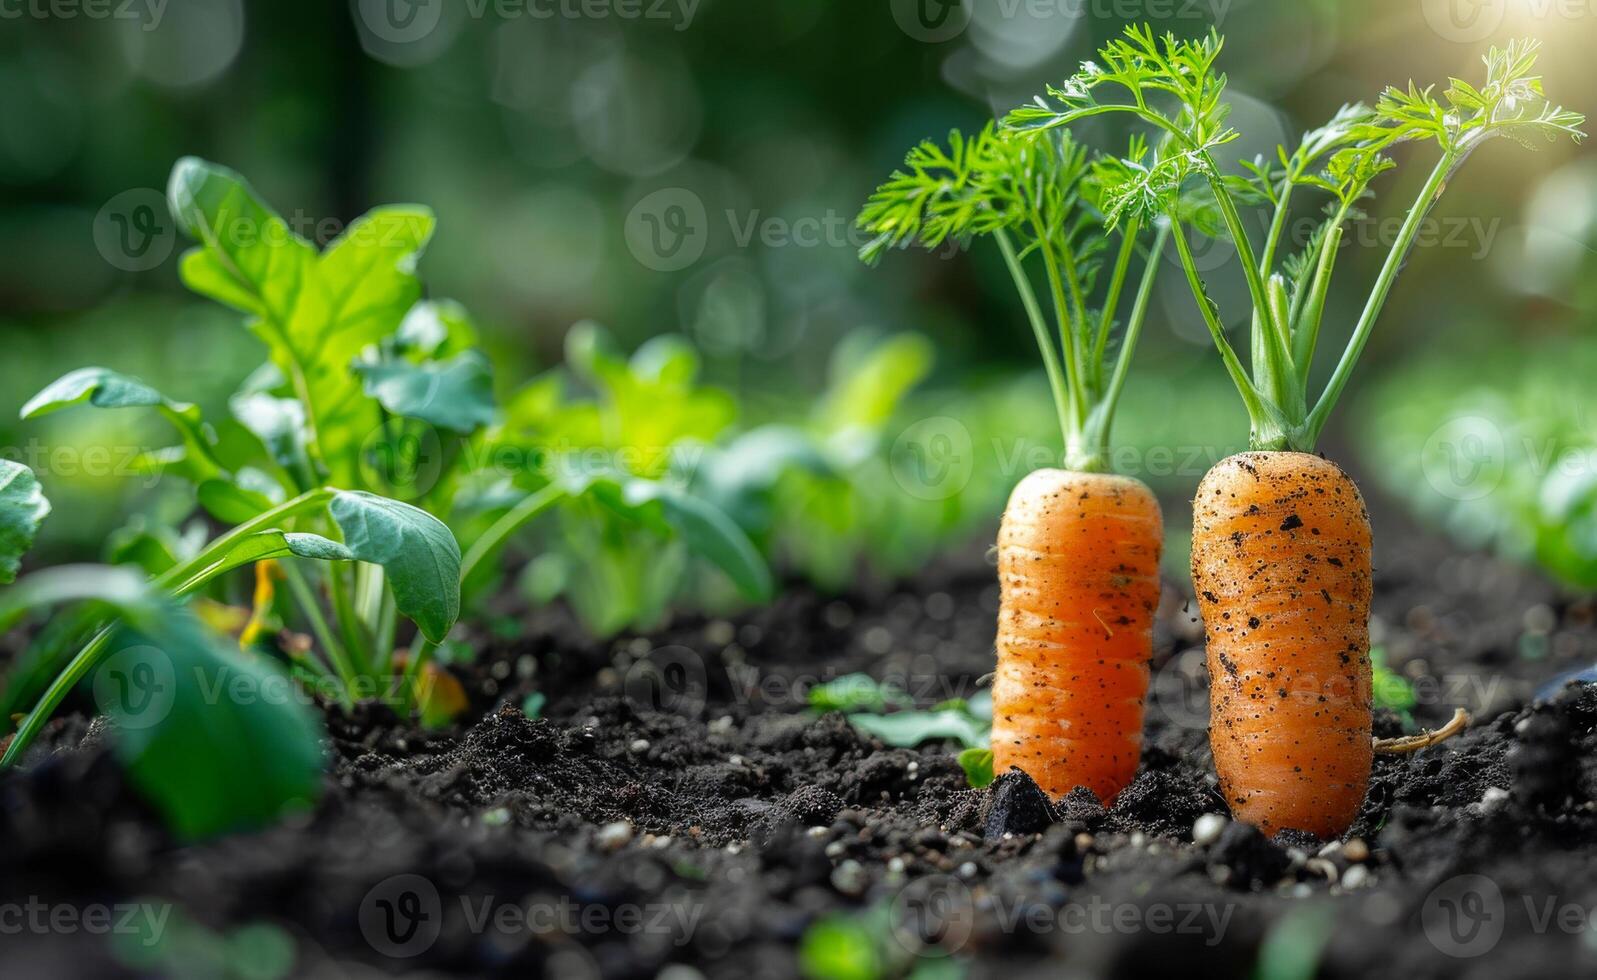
{"points": [[1510, 466], [820, 495], [866, 701], [210, 762], [1174, 87], [1039, 198], [615, 473], [295, 470]]}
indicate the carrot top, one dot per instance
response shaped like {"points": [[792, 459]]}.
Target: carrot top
{"points": [[1173, 86], [1040, 200]]}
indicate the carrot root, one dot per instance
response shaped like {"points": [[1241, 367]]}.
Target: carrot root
{"points": [[1424, 740], [1281, 565], [1078, 567]]}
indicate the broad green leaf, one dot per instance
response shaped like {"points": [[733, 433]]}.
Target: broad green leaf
{"points": [[870, 380], [23, 508], [279, 423], [249, 258], [417, 551], [856, 692], [978, 766], [315, 313], [120, 587], [709, 534], [103, 388], [907, 729], [217, 741], [231, 503], [100, 387], [456, 394], [436, 328]]}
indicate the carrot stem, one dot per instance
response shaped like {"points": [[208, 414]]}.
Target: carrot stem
{"points": [[1045, 345]]}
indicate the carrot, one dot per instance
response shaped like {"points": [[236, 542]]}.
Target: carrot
{"points": [[1281, 566], [1281, 541], [1078, 551], [1078, 570]]}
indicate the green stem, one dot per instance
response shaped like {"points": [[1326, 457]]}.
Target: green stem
{"points": [[1258, 415], [421, 652], [1139, 312], [182, 578], [1077, 395], [85, 661], [512, 521], [1306, 321], [1039, 327], [1429, 194], [387, 625], [1128, 244], [349, 623], [305, 598]]}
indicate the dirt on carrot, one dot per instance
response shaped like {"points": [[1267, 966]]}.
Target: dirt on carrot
{"points": [[1281, 566], [1078, 565]]}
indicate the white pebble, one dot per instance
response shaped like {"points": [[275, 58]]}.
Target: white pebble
{"points": [[1355, 877], [1494, 799], [1208, 828], [613, 836], [640, 745], [849, 877]]}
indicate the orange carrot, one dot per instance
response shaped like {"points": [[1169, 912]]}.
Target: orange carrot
{"points": [[1078, 567], [1281, 565], [1078, 552], [1281, 543]]}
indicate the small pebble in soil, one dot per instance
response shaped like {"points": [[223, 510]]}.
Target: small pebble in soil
{"points": [[718, 633], [1356, 850], [839, 615], [878, 640], [613, 836], [849, 878], [1208, 828], [640, 745], [1493, 800], [721, 725], [1356, 877]]}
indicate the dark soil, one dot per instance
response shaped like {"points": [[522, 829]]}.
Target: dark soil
{"points": [[676, 811]]}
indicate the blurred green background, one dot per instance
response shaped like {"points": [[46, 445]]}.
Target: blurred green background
{"points": [[694, 167]]}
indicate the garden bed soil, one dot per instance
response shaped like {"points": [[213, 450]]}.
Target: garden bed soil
{"points": [[703, 823]]}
